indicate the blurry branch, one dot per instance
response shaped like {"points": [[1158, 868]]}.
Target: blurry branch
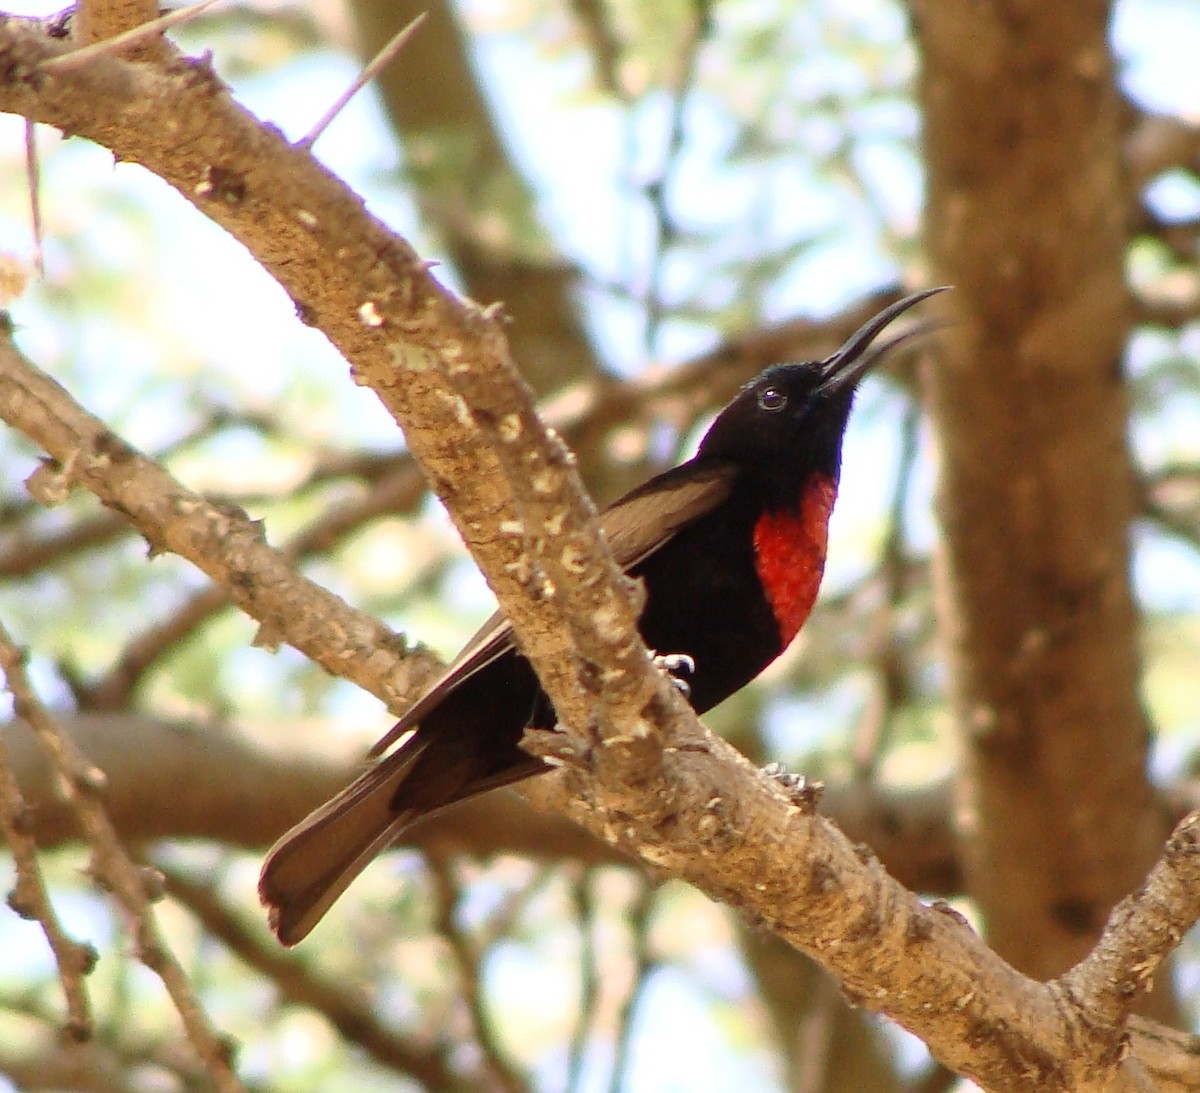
{"points": [[30, 900], [225, 544], [644, 966], [95, 1067], [1179, 236], [824, 1046], [1156, 143], [1165, 312], [468, 954], [471, 191], [393, 482], [398, 492], [349, 1010], [1170, 498], [603, 42], [679, 394], [885, 651], [112, 691], [584, 905], [657, 191], [131, 888], [244, 797], [693, 808]]}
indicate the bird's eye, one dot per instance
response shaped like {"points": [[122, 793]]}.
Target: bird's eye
{"points": [[771, 399]]}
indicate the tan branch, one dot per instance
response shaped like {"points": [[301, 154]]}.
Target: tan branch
{"points": [[224, 543], [93, 22], [1142, 931], [30, 899], [700, 812], [83, 786]]}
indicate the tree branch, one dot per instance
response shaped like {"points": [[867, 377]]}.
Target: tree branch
{"points": [[83, 786], [349, 1010], [225, 544], [697, 810]]}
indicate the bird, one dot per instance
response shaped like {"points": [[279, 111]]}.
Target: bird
{"points": [[730, 546]]}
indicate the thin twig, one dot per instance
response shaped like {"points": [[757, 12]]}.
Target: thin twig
{"points": [[657, 190], [589, 981], [467, 958], [378, 63], [645, 965], [83, 786], [120, 43], [886, 653], [604, 44], [30, 900], [344, 1006], [33, 181]]}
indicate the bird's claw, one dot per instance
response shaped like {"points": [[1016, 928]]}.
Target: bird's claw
{"points": [[673, 664], [804, 792]]}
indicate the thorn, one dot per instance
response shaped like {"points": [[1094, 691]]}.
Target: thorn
{"points": [[267, 637], [33, 179], [950, 911], [121, 42], [378, 63]]}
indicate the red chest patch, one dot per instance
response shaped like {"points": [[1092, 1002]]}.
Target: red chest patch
{"points": [[789, 551]]}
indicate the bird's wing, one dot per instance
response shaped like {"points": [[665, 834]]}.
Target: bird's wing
{"points": [[647, 518], [636, 526], [491, 640]]}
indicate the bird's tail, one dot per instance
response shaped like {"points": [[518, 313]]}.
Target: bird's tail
{"points": [[311, 865]]}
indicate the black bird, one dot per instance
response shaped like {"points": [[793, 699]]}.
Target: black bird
{"points": [[731, 547]]}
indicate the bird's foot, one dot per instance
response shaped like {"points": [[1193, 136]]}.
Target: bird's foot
{"points": [[673, 664], [805, 793]]}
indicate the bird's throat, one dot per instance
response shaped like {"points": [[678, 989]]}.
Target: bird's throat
{"points": [[789, 554]]}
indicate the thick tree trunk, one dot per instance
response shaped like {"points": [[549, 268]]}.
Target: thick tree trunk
{"points": [[1026, 218]]}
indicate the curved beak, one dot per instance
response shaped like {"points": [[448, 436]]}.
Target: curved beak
{"points": [[861, 352]]}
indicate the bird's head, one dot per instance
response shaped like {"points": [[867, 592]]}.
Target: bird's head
{"points": [[791, 417]]}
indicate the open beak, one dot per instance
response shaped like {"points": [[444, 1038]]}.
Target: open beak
{"points": [[861, 352]]}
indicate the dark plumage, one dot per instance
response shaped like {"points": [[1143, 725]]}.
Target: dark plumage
{"points": [[731, 547]]}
